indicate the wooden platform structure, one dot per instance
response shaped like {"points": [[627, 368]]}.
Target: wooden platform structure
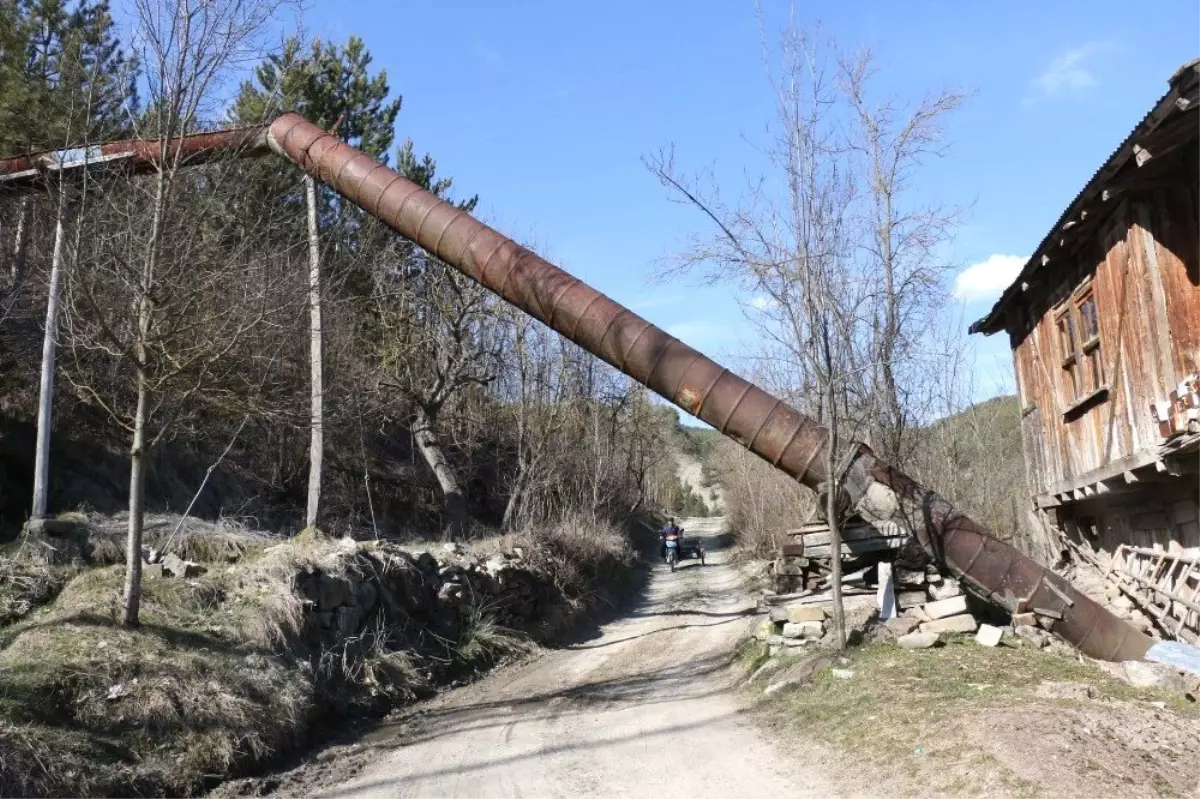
{"points": [[859, 538]]}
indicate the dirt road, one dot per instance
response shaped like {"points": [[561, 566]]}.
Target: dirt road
{"points": [[646, 708]]}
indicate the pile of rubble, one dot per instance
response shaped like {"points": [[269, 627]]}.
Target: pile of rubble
{"points": [[929, 605], [791, 628]]}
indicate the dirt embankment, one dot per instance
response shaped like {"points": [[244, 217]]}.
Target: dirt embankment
{"points": [[259, 646], [966, 720]]}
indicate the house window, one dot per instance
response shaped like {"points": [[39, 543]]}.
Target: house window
{"points": [[1079, 341]]}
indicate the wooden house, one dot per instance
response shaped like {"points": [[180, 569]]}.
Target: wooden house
{"points": [[1104, 323]]}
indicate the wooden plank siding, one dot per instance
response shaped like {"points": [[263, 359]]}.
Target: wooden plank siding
{"points": [[1143, 275]]}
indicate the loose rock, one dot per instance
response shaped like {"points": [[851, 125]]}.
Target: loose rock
{"points": [[989, 635], [805, 629], [946, 607], [922, 640], [1153, 675], [902, 625], [964, 623], [948, 588]]}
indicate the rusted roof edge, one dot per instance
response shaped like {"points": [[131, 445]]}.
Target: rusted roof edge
{"points": [[1182, 81]]}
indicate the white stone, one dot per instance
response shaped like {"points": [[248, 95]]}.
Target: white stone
{"points": [[885, 598], [779, 686], [1153, 675], [989, 635], [803, 629], [946, 607], [917, 640], [964, 623], [948, 588], [842, 674]]}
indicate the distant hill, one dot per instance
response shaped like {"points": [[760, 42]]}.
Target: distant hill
{"points": [[974, 459]]}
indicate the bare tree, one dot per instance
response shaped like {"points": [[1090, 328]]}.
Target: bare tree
{"points": [[41, 468], [902, 244], [316, 452], [841, 273], [187, 314], [435, 334]]}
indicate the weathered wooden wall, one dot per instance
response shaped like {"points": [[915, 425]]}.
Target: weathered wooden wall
{"points": [[1144, 273], [1163, 516]]}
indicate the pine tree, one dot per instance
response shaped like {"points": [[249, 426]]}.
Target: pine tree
{"points": [[71, 79]]}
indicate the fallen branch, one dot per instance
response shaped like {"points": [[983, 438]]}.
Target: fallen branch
{"points": [[207, 474]]}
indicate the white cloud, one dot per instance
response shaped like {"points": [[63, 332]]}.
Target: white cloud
{"points": [[761, 303], [986, 279], [1068, 74]]}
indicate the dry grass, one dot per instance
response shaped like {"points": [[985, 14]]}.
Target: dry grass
{"points": [[98, 709], [223, 541], [929, 723], [25, 586], [586, 558], [226, 672]]}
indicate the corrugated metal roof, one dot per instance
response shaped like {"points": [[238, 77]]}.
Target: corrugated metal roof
{"points": [[1181, 82]]}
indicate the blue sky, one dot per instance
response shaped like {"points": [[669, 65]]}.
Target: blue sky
{"points": [[547, 108]]}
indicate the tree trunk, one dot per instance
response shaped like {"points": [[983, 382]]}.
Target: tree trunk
{"points": [[137, 507], [457, 517], [831, 514], [137, 451], [41, 459], [514, 503], [316, 449], [20, 249]]}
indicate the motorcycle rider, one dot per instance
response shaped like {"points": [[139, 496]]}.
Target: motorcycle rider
{"points": [[669, 528]]}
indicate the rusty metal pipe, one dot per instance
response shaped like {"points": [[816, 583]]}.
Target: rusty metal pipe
{"points": [[26, 173], [782, 435], [776, 432]]}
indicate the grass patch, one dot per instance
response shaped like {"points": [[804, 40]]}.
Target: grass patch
{"points": [[97, 709], [900, 710]]}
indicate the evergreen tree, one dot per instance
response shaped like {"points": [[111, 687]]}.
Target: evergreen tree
{"points": [[65, 77]]}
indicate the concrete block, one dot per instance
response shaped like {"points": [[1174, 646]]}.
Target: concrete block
{"points": [[908, 576], [946, 607], [917, 640], [910, 599], [803, 613], [989, 635], [803, 629], [1023, 620], [964, 623]]}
